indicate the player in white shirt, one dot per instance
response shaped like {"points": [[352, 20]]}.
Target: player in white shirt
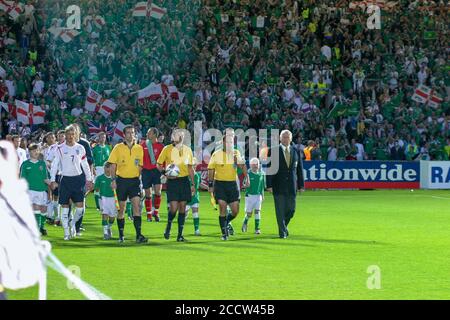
{"points": [[53, 209], [71, 160], [21, 153]]}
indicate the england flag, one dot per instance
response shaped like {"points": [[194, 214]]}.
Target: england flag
{"points": [[29, 114]]}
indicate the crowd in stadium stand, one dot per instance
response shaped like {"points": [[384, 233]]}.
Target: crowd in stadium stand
{"points": [[311, 66]]}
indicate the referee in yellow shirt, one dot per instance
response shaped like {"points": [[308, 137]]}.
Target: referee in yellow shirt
{"points": [[179, 190], [127, 160], [223, 180]]}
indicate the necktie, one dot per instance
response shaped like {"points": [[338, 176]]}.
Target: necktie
{"points": [[287, 156]]}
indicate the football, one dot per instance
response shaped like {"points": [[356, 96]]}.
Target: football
{"points": [[172, 170]]}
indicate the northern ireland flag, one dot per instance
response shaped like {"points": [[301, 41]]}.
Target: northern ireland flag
{"points": [[118, 131], [426, 95], [148, 9], [11, 8], [10, 108], [29, 114], [65, 34], [97, 21], [151, 92], [96, 103], [383, 4]]}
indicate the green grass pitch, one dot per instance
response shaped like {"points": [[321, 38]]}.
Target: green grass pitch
{"points": [[335, 237]]}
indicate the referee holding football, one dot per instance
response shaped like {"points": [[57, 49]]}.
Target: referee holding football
{"points": [[179, 188], [223, 180], [126, 164]]}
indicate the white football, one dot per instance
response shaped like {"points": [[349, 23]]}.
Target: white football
{"points": [[172, 170]]}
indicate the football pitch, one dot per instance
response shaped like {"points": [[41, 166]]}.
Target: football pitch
{"points": [[337, 239]]}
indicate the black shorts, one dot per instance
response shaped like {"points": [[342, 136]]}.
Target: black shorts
{"points": [[71, 188], [179, 189], [128, 188], [57, 180], [227, 191], [150, 178]]}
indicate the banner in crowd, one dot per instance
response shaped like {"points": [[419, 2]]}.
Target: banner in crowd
{"points": [[424, 95], [361, 174], [435, 174]]}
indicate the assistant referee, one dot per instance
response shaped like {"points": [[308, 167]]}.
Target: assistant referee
{"points": [[127, 159], [223, 180]]}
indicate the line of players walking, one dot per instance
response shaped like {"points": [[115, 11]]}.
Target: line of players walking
{"points": [[129, 177]]}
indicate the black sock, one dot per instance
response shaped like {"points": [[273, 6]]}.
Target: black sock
{"points": [[230, 217], [181, 218], [121, 226], [170, 217], [137, 221], [223, 224]]}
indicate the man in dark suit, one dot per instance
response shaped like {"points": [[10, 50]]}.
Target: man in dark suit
{"points": [[284, 178]]}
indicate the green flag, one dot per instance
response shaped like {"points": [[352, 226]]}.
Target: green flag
{"points": [[338, 110]]}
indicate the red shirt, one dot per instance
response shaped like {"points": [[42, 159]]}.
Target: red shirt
{"points": [[157, 148]]}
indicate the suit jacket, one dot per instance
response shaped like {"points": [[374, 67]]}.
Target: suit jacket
{"points": [[286, 180]]}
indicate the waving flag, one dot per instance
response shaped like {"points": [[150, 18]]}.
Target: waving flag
{"points": [[96, 103], [424, 94], [387, 5], [148, 9], [118, 131], [151, 92], [11, 8], [65, 34], [29, 114], [94, 128], [10, 108], [97, 21]]}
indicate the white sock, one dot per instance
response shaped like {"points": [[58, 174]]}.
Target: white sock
{"points": [[105, 229], [257, 216], [56, 210], [50, 210], [65, 220], [78, 214], [194, 215]]}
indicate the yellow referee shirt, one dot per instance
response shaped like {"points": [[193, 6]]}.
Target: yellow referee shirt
{"points": [[224, 165], [128, 160], [182, 157]]}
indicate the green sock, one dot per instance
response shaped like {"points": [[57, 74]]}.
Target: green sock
{"points": [[97, 201], [43, 220], [37, 215], [196, 223], [245, 219], [128, 209], [257, 220]]}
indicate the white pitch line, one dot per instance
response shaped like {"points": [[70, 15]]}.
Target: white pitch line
{"points": [[440, 198]]}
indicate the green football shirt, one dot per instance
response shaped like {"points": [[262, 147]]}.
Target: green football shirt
{"points": [[100, 155], [103, 184], [257, 183], [35, 173]]}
